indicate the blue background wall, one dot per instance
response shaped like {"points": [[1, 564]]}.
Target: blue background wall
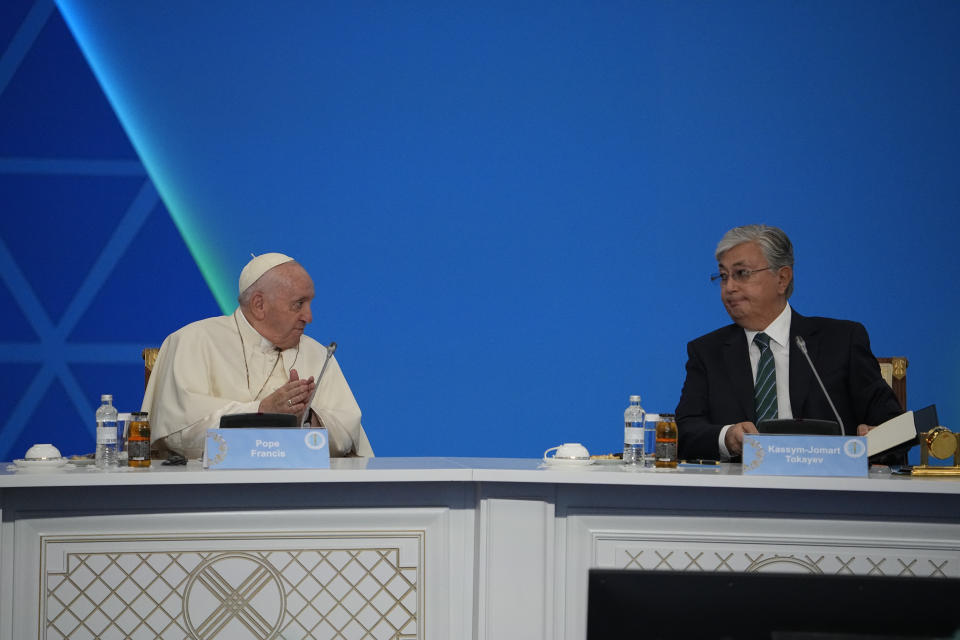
{"points": [[509, 209]]}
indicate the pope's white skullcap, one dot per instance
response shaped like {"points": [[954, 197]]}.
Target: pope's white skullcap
{"points": [[258, 266]]}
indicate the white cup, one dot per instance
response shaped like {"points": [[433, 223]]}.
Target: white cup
{"points": [[42, 452], [567, 451]]}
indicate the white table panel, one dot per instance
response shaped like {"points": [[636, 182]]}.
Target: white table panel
{"points": [[492, 548]]}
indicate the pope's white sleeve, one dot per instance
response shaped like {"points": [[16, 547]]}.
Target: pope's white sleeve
{"points": [[180, 400], [338, 411]]}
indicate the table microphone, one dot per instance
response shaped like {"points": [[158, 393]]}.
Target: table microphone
{"points": [[330, 351], [305, 419], [803, 349]]}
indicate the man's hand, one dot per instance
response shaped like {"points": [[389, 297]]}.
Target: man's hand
{"points": [[863, 429], [733, 439], [291, 397]]}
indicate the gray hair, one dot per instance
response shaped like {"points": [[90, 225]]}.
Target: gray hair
{"points": [[773, 242], [244, 298]]}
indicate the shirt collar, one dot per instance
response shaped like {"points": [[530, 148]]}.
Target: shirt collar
{"points": [[250, 335], [778, 330]]}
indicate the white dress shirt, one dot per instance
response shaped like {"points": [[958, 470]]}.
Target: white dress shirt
{"points": [[779, 332]]}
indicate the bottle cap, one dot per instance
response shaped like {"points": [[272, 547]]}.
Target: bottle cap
{"points": [[107, 397], [635, 398]]}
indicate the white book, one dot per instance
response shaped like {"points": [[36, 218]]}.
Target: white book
{"points": [[891, 433]]}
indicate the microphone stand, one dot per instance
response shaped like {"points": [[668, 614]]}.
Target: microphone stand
{"points": [[802, 345], [330, 350], [305, 420]]}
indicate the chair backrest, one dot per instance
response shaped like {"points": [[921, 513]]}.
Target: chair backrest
{"points": [[894, 371], [149, 359], [158, 448]]}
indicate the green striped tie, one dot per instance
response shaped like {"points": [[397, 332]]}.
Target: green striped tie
{"points": [[765, 389]]}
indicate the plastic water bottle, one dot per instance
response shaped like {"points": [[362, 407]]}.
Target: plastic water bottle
{"points": [[106, 433], [633, 432]]}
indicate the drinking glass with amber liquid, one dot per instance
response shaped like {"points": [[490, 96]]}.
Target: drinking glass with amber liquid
{"points": [[138, 440], [666, 442]]}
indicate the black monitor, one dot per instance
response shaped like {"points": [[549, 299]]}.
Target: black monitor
{"points": [[624, 603]]}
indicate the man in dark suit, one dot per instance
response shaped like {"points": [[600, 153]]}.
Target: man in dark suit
{"points": [[753, 369]]}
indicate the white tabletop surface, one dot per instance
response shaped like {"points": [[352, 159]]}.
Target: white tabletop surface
{"points": [[487, 470]]}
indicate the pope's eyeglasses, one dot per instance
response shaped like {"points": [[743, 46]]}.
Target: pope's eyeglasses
{"points": [[738, 275]]}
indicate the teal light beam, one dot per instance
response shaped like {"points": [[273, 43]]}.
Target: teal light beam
{"points": [[202, 248]]}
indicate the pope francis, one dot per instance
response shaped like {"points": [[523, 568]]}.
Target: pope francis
{"points": [[249, 362]]}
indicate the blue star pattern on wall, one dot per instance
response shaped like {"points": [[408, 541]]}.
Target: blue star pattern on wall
{"points": [[489, 200], [82, 227]]}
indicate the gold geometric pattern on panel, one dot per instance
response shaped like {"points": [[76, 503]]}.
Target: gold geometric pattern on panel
{"points": [[233, 591], [347, 594], [864, 563]]}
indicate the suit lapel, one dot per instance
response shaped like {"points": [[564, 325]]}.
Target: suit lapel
{"points": [[801, 378], [737, 361]]}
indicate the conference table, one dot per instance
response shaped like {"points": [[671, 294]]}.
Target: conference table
{"points": [[438, 548]]}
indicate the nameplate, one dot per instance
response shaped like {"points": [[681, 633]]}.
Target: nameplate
{"points": [[266, 449], [789, 455]]}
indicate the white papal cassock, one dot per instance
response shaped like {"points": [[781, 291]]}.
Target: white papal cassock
{"points": [[220, 366]]}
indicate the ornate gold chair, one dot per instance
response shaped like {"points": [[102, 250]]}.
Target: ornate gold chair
{"points": [[894, 371], [149, 359], [158, 449]]}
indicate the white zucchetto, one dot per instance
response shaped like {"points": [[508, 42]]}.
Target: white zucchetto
{"points": [[258, 266]]}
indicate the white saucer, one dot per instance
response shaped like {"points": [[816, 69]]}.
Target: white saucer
{"points": [[567, 462], [37, 465]]}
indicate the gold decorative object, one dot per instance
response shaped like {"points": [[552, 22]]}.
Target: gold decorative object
{"points": [[149, 361], [941, 443], [150, 357], [899, 368]]}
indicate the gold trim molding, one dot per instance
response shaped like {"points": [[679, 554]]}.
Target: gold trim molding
{"points": [[346, 585]]}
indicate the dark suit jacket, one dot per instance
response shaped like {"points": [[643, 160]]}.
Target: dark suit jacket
{"points": [[719, 387]]}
